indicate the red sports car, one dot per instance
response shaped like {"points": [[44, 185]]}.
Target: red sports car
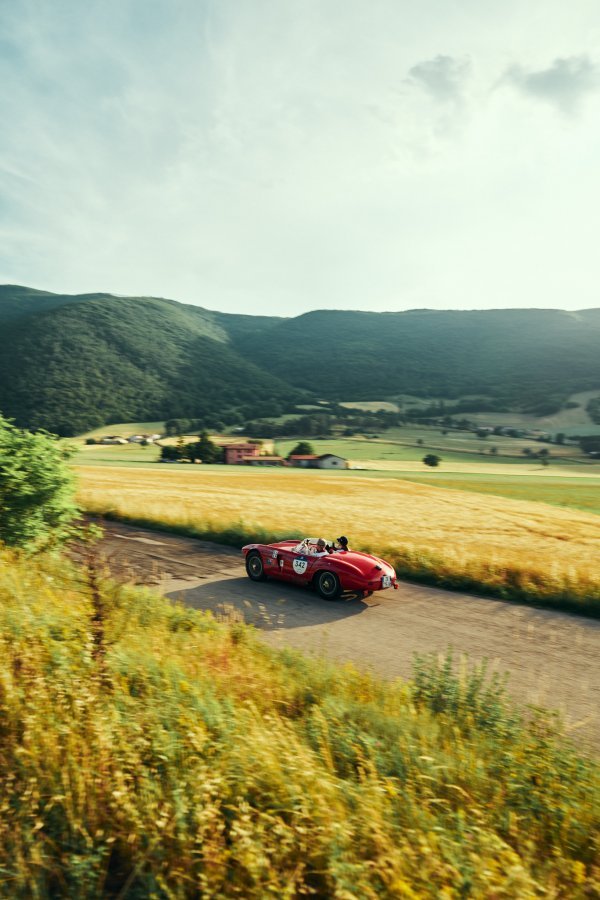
{"points": [[310, 562]]}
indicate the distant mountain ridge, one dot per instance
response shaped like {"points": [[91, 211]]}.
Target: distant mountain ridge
{"points": [[520, 357], [73, 362]]}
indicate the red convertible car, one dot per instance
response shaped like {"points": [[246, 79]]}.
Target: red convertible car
{"points": [[308, 563]]}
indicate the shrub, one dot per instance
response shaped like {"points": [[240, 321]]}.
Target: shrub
{"points": [[36, 488]]}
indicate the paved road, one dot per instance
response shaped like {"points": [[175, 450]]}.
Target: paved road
{"points": [[553, 658]]}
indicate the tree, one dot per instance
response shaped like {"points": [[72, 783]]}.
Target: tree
{"points": [[205, 450], [36, 489], [302, 449], [176, 426], [169, 453], [432, 460]]}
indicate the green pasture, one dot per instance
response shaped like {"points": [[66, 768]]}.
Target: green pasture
{"points": [[115, 454], [401, 444], [576, 493], [467, 442]]}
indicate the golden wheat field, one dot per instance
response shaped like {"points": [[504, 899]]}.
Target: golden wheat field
{"points": [[546, 549]]}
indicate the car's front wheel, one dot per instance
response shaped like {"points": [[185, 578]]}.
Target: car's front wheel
{"points": [[328, 585], [255, 567]]}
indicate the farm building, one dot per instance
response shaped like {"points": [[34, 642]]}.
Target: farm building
{"points": [[236, 454], [264, 461], [312, 461], [303, 461], [140, 438], [331, 461]]}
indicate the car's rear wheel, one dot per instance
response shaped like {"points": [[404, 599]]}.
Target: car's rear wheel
{"points": [[255, 567], [328, 585]]}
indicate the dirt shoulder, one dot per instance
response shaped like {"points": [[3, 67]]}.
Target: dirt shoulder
{"points": [[553, 658]]}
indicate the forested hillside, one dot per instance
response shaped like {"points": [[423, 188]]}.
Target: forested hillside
{"points": [[70, 363], [72, 366], [525, 359]]}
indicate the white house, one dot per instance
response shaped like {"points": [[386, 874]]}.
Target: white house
{"points": [[330, 461]]}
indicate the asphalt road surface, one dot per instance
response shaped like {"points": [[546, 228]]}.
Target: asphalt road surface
{"points": [[552, 658]]}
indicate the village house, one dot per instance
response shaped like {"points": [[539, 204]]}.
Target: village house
{"points": [[140, 438], [312, 461], [238, 454]]}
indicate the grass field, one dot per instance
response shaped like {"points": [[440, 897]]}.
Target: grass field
{"points": [[577, 492], [150, 751], [401, 444], [567, 482], [568, 420], [516, 549]]}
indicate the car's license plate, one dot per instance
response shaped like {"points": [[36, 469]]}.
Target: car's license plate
{"points": [[386, 581]]}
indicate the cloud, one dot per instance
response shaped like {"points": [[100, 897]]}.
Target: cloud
{"points": [[443, 77], [564, 84], [265, 156]]}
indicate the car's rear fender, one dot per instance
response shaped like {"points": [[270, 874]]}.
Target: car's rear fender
{"points": [[341, 569]]}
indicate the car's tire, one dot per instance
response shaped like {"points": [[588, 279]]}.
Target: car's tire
{"points": [[328, 585], [255, 566]]}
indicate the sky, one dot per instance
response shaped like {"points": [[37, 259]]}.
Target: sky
{"points": [[278, 156]]}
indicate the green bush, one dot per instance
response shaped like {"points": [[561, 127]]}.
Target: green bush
{"points": [[36, 488]]}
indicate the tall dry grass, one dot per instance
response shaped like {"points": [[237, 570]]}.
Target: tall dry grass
{"points": [[513, 549], [178, 757]]}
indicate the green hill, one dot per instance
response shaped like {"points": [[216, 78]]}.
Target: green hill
{"points": [[525, 359], [72, 363]]}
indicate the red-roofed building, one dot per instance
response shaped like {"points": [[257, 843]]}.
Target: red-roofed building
{"points": [[302, 461], [236, 454]]}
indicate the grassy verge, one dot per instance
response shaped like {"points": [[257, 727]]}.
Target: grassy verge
{"points": [[148, 750]]}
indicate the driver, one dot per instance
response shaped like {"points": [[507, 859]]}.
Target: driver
{"points": [[320, 549]]}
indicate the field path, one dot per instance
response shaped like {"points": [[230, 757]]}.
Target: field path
{"points": [[553, 658]]}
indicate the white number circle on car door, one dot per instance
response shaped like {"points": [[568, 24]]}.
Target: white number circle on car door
{"points": [[300, 566]]}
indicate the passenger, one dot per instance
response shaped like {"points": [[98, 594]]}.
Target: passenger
{"points": [[341, 544]]}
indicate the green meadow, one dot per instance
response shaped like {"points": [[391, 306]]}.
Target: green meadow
{"points": [[148, 750]]}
